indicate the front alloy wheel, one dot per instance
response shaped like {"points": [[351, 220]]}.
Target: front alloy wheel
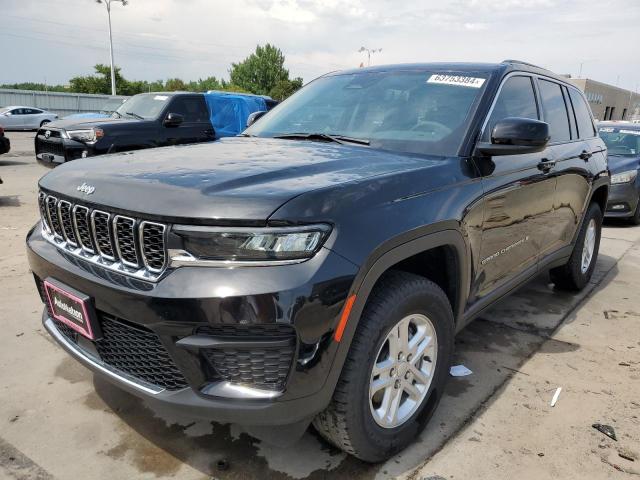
{"points": [[403, 371], [395, 371]]}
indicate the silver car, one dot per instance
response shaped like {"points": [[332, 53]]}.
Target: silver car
{"points": [[25, 118]]}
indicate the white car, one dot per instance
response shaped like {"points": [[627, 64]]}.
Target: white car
{"points": [[25, 118]]}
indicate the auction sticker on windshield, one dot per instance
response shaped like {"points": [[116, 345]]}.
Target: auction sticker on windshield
{"points": [[459, 80]]}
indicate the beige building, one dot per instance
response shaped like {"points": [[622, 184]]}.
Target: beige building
{"points": [[608, 102]]}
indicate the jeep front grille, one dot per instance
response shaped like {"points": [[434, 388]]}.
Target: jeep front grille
{"points": [[128, 245]]}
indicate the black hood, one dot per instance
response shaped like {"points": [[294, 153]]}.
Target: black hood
{"points": [[77, 123], [244, 179]]}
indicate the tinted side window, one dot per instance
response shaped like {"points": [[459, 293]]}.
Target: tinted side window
{"points": [[583, 115], [516, 99], [192, 108], [555, 111]]}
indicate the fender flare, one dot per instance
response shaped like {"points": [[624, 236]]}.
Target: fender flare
{"points": [[381, 260]]}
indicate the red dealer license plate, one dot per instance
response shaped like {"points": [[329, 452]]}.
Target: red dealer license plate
{"points": [[71, 307]]}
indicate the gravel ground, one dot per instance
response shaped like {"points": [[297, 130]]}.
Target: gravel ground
{"points": [[59, 421]]}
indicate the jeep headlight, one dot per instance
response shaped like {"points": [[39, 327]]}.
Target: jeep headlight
{"points": [[624, 177], [246, 244], [89, 135]]}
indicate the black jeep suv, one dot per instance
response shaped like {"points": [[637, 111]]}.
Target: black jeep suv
{"points": [[316, 269]]}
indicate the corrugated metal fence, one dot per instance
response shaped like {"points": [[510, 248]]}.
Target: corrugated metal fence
{"points": [[57, 102]]}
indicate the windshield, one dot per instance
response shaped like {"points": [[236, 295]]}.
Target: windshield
{"points": [[145, 106], [406, 111], [4, 110], [111, 105], [621, 141]]}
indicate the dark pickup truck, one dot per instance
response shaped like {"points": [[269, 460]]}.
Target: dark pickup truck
{"points": [[316, 268], [148, 120]]}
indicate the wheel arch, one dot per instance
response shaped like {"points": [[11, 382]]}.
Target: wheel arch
{"points": [[445, 248]]}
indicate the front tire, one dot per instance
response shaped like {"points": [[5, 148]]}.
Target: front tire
{"points": [[43, 123], [396, 370], [576, 273]]}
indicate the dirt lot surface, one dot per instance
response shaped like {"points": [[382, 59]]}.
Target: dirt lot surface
{"points": [[59, 421]]}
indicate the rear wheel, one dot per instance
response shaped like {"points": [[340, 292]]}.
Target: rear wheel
{"points": [[383, 401], [576, 273]]}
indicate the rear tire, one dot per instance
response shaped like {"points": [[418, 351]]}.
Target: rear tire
{"points": [[355, 420], [576, 273]]}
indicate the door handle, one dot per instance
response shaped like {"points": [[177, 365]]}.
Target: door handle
{"points": [[545, 165], [585, 155]]}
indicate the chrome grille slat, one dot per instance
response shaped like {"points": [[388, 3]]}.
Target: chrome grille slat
{"points": [[124, 231], [66, 222], [83, 228], [52, 215], [102, 236], [115, 242], [152, 245], [43, 211]]}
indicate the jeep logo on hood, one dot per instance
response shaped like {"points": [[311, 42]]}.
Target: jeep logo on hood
{"points": [[86, 189]]}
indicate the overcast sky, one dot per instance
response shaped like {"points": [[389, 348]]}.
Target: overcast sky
{"points": [[157, 39]]}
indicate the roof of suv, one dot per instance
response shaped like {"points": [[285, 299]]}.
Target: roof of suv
{"points": [[505, 66]]}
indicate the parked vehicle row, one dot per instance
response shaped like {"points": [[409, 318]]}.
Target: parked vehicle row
{"points": [[146, 121], [316, 268]]}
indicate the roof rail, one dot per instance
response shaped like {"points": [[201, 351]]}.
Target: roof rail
{"points": [[523, 63]]}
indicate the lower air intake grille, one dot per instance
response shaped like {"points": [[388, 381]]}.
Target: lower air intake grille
{"points": [[139, 353], [134, 351], [262, 367]]}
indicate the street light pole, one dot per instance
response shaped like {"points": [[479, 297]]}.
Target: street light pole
{"points": [[113, 71]]}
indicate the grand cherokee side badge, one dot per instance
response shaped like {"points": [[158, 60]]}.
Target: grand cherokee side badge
{"points": [[86, 189]]}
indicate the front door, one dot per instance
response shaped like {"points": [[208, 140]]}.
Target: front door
{"points": [[519, 192], [195, 127]]}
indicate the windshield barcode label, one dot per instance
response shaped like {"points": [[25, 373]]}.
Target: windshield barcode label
{"points": [[458, 80]]}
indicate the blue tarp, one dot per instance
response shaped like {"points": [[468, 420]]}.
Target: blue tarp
{"points": [[230, 111]]}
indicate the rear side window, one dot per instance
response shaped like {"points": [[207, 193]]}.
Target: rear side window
{"points": [[516, 99], [193, 109], [555, 111], [583, 115]]}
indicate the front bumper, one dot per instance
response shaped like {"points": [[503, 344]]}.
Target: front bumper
{"points": [[306, 296], [55, 150], [622, 201]]}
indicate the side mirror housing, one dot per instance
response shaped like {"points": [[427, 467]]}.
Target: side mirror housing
{"points": [[514, 135], [173, 120], [253, 118]]}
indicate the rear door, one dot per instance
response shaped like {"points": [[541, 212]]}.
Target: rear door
{"points": [[518, 196], [573, 147], [196, 126], [31, 117]]}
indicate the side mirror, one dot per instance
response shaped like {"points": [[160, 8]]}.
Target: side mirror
{"points": [[513, 136], [7, 114], [173, 120], [253, 118]]}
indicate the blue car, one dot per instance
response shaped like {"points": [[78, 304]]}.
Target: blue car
{"points": [[623, 144]]}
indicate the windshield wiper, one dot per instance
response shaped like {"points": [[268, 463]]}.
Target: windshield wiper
{"points": [[341, 139], [135, 115], [117, 113]]}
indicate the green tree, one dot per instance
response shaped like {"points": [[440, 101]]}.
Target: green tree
{"points": [[285, 88], [99, 83], [261, 71]]}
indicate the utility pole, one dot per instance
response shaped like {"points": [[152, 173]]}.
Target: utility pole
{"points": [[369, 52], [113, 71]]}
